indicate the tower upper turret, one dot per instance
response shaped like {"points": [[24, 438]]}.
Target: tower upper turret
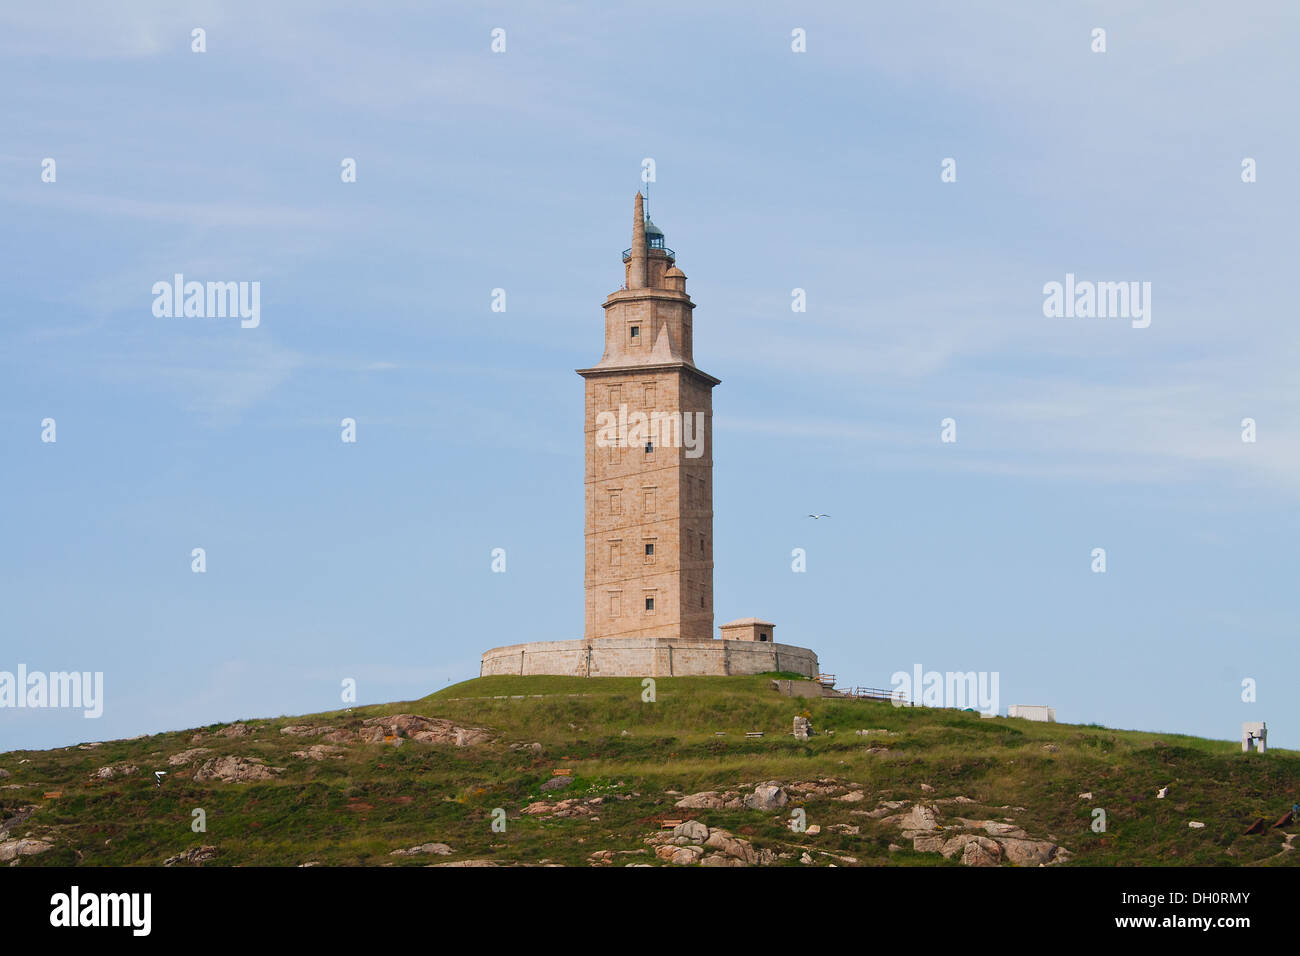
{"points": [[648, 321]]}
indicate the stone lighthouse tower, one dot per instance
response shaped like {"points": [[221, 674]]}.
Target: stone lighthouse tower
{"points": [[648, 449], [649, 458]]}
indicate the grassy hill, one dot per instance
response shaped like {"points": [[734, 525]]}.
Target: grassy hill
{"points": [[353, 802]]}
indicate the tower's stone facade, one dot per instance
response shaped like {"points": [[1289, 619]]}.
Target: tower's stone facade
{"points": [[649, 501], [649, 458]]}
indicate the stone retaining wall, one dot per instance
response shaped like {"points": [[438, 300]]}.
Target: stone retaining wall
{"points": [[647, 657]]}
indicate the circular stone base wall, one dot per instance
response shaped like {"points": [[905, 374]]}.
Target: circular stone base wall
{"points": [[647, 657]]}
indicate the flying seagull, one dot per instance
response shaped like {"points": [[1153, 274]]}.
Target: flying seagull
{"points": [[816, 517]]}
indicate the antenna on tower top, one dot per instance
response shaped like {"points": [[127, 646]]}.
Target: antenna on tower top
{"points": [[647, 199]]}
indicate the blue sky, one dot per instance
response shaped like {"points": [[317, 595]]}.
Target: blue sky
{"points": [[775, 170]]}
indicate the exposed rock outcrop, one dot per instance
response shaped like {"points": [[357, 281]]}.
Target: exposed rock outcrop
{"points": [[12, 850], [1000, 840], [304, 730], [196, 857], [441, 849], [187, 756], [236, 770], [319, 752], [711, 800], [234, 730], [432, 730], [767, 796], [121, 770], [690, 842]]}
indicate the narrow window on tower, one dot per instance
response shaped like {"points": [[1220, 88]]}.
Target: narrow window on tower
{"points": [[615, 599], [649, 500], [649, 448], [615, 397], [634, 335], [615, 505], [649, 605], [649, 396], [649, 552], [615, 553]]}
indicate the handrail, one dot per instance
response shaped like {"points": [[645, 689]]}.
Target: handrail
{"points": [[627, 253]]}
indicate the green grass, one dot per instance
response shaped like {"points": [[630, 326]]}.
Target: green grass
{"points": [[355, 810]]}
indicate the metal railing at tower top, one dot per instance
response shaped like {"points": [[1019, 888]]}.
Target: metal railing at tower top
{"points": [[627, 253]]}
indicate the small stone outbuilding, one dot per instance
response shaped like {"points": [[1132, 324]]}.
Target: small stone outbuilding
{"points": [[748, 629]]}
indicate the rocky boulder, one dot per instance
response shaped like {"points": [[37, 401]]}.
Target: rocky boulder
{"points": [[234, 730], [920, 817], [430, 730], [711, 800], [186, 756], [304, 730], [108, 773], [767, 796], [12, 850], [1028, 852], [981, 852], [236, 770], [441, 849], [319, 752], [196, 857]]}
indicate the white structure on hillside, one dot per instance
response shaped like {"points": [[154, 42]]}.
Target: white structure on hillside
{"points": [[1032, 712], [1254, 735]]}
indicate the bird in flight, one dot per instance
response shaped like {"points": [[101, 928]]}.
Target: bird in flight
{"points": [[816, 517]]}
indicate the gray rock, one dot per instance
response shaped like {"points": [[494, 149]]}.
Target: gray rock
{"points": [[432, 730], [230, 769], [319, 752], [186, 756], [981, 851], [693, 830], [234, 730], [441, 849], [11, 850], [721, 859], [685, 855], [1027, 852], [706, 800], [121, 770], [767, 796], [920, 817], [197, 856], [556, 783]]}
